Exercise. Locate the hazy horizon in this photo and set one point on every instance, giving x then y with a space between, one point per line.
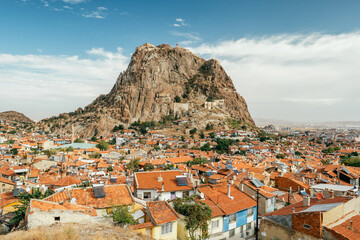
294 61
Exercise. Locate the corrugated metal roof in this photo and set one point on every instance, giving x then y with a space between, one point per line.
321 207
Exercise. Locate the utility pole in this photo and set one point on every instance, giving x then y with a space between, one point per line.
257 215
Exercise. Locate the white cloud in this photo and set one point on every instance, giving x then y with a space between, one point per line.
180 23
74 1
295 77
190 38
45 85
100 13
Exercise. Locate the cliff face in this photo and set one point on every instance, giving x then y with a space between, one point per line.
161 81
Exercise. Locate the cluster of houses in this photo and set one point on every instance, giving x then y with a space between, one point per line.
290 186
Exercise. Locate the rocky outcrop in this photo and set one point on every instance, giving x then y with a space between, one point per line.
15 117
155 84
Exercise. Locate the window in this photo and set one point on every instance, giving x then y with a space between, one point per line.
57 218
250 212
306 226
147 195
248 226
186 194
166 228
231 233
173 196
215 224
232 217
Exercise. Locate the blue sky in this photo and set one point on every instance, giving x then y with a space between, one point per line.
292 60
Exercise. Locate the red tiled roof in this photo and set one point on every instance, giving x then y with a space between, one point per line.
161 212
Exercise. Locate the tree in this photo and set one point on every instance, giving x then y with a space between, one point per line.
182 138
122 216
148 167
133 164
109 169
197 216
24 200
205 147
280 156
297 153
103 146
202 135
209 126
177 99
94 139
143 130
212 135
156 148
118 128
193 131
14 151
95 155
78 140
50 152
70 149
196 161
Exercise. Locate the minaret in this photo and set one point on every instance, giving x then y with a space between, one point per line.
63 167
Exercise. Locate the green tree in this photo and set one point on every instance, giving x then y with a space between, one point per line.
122 216
182 138
209 126
95 155
202 135
177 99
148 167
70 149
133 164
50 152
205 147
196 161
280 155
103 145
94 139
212 135
197 216
23 204
193 131
14 151
78 140
297 153
118 128
109 169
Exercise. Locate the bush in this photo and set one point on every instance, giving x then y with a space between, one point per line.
103 146
193 131
148 167
122 216
78 140
177 99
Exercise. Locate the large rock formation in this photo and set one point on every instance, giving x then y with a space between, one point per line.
15 117
158 82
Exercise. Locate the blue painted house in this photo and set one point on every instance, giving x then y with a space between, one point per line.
238 210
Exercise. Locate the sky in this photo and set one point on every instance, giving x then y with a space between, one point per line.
290 60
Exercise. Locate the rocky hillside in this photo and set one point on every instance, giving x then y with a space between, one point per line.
160 81
15 117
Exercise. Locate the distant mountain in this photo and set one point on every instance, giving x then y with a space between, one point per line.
15 117
160 81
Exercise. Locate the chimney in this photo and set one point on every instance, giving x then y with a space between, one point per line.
228 192
242 187
306 201
293 210
160 179
350 227
331 193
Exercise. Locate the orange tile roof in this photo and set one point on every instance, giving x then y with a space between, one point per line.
218 195
116 195
343 230
149 180
48 206
161 212
67 181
